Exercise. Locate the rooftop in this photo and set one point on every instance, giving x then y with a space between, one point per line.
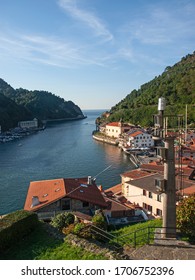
147 183
136 133
135 174
49 191
118 124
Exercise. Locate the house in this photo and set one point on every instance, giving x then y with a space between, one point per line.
119 210
28 124
114 129
140 186
133 174
49 197
140 139
144 193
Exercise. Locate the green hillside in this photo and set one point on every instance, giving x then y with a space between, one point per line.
10 112
176 84
22 104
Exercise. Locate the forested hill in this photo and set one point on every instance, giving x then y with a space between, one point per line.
22 104
176 84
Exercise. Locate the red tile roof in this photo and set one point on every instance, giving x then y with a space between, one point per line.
114 190
113 206
136 133
118 124
135 174
152 167
49 191
114 124
188 191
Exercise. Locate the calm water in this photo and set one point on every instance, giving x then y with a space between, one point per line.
60 151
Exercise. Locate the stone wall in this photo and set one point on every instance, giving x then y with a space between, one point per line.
95 247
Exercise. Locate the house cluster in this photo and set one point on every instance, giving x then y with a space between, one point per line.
127 135
136 198
24 128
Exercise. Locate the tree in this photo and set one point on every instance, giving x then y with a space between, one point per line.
186 216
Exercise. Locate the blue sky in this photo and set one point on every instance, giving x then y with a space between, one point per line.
93 52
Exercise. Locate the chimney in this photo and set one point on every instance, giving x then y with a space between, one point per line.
35 201
89 182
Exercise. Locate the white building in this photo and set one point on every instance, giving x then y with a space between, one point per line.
140 139
143 192
114 129
28 124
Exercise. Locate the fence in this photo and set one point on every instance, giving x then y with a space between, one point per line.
140 237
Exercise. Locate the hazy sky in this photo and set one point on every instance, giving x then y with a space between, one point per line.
93 52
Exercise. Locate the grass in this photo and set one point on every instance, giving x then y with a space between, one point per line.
39 245
125 235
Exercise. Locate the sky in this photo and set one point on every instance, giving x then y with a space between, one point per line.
92 52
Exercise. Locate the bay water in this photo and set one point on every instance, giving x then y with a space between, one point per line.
62 150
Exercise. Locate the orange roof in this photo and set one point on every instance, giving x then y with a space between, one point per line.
152 167
114 124
136 133
135 174
188 191
117 124
114 190
49 191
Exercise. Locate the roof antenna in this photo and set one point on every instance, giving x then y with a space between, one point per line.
95 177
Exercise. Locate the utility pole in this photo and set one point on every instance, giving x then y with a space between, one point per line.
168 190
169 196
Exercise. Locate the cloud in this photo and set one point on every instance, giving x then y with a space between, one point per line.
86 17
45 50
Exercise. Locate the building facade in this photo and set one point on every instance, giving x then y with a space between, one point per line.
28 124
143 192
115 129
140 139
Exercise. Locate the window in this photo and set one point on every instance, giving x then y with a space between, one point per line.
159 198
150 208
127 190
158 212
150 195
144 192
145 206
66 204
85 204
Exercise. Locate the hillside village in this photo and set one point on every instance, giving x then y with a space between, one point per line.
162 153
138 197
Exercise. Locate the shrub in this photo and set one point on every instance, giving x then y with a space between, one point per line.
186 216
98 220
68 229
78 227
62 220
15 226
